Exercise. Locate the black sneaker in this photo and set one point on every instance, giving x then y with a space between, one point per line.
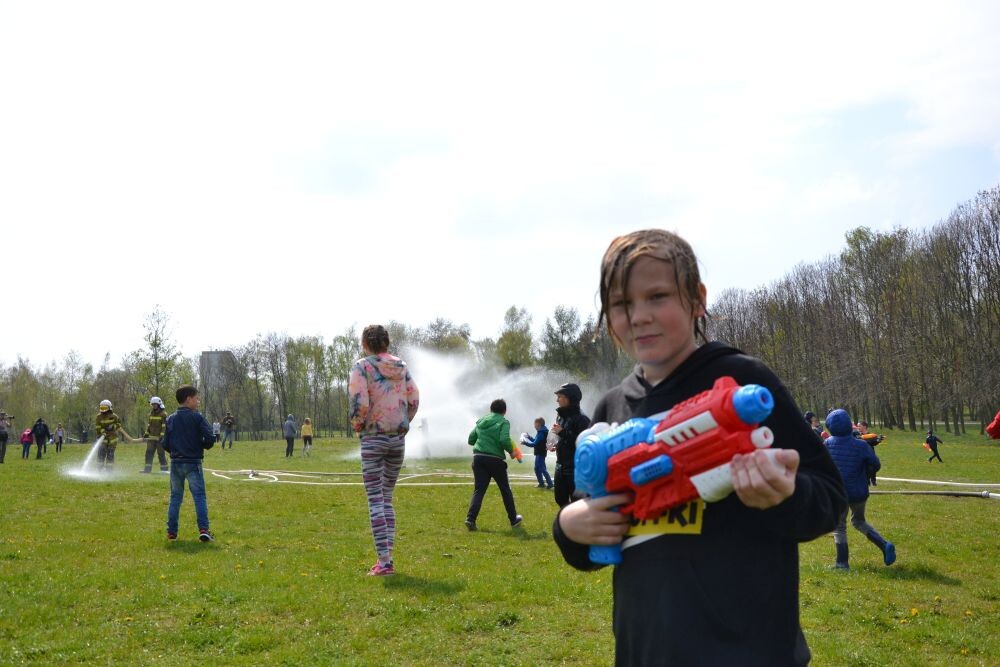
471 525
205 535
518 520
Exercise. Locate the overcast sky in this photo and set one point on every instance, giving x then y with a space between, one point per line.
301 167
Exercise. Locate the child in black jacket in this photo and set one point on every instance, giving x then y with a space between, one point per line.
715 584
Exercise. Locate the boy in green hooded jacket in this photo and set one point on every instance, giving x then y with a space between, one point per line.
490 439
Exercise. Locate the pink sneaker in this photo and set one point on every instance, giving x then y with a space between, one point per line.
380 570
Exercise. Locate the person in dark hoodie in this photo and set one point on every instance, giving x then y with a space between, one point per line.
932 442
188 435
383 401
857 463
707 587
490 439
42 434
570 423
288 431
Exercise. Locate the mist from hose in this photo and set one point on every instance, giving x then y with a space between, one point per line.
455 391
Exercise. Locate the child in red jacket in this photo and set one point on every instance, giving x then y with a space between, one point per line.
993 430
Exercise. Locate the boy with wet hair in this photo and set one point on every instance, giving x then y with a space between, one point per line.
188 435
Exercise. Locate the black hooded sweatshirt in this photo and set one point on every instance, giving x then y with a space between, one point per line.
721 585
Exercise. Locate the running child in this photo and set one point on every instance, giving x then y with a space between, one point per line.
721 588
932 442
307 436
857 463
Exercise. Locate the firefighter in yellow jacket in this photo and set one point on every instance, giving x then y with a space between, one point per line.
109 425
155 430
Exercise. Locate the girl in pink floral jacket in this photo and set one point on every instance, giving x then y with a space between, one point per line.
384 400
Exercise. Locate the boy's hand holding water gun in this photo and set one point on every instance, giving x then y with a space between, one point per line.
706 447
515 452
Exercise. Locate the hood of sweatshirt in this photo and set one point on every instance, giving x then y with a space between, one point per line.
637 390
391 368
839 422
491 424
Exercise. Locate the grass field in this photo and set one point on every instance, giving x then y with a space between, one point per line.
86 575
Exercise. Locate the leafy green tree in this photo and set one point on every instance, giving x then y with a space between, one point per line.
560 338
515 343
444 335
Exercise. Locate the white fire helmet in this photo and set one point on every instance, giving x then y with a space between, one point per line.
105 405
156 400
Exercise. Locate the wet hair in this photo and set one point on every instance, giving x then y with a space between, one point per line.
660 244
499 406
375 338
184 392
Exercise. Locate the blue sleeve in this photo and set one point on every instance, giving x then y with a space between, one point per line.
871 459
205 430
167 431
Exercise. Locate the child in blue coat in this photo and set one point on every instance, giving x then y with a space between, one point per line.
857 463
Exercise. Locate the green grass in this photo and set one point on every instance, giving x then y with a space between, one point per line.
86 575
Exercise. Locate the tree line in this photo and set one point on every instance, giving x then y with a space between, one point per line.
273 374
902 328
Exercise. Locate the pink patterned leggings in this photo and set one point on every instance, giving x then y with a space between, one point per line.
381 459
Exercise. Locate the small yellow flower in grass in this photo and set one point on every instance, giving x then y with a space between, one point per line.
128 619
914 611
304 574
937 598
964 651
163 577
968 612
260 563
904 621
239 567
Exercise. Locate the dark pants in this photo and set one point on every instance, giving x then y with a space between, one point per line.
485 468
3 445
154 446
59 444
935 454
106 454
565 485
289 446
40 443
25 449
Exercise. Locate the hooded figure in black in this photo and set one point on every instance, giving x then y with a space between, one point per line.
41 432
569 424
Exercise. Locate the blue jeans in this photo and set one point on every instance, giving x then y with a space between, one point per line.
541 472
190 471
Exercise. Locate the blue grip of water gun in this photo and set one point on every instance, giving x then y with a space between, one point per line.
753 403
610 554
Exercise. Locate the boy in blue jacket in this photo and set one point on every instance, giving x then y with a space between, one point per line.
857 463
540 447
188 435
